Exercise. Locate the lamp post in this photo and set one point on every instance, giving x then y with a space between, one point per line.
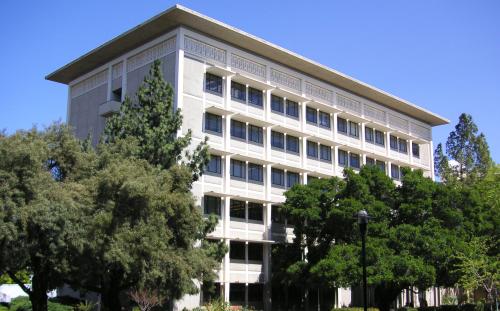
363 223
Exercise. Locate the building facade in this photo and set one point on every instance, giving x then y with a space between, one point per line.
273 119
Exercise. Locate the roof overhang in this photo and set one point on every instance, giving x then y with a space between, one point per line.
180 16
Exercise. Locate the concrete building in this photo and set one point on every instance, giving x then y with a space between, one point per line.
273 118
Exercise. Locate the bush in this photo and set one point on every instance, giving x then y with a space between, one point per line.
24 304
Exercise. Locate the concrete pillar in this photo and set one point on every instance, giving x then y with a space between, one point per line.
387 143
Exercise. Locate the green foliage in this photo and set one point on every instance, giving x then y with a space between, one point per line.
24 304
150 117
470 151
22 276
353 309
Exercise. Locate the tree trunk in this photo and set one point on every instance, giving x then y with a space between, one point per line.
111 300
38 294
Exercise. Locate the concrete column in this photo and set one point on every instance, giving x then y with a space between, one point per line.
227 92
431 160
362 135
387 143
302 116
227 173
303 151
268 183
267 104
410 151
226 260
304 178
267 143
363 159
335 158
389 165
227 132
335 126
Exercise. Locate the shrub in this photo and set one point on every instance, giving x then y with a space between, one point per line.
24 304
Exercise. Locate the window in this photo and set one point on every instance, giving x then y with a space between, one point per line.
310 178
213 83
255 134
214 165
238 91
354 160
237 293
237 209
403 146
381 165
276 215
211 205
255 251
255 97
369 134
238 168
353 129
292 179
292 108
325 152
278 177
277 104
393 142
277 140
311 115
379 138
370 161
312 149
255 212
324 119
342 125
117 95
343 160
237 250
213 123
238 129
292 144
255 172
255 293
415 150
394 171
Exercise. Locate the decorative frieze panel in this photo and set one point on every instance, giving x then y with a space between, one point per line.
151 54
89 84
348 103
286 80
319 92
117 70
374 113
248 66
204 50
398 123
420 131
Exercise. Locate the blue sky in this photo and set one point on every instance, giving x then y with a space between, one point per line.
441 55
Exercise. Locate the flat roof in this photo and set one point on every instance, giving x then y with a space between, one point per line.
182 16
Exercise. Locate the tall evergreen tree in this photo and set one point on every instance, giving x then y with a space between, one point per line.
468 150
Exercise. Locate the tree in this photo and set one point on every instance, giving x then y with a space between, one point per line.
407 234
150 117
146 300
469 151
144 225
41 203
478 269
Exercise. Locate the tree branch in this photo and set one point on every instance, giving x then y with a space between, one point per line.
19 282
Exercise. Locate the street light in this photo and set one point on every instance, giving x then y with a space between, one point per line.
363 223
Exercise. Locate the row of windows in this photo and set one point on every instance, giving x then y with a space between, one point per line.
238 169
238 209
237 251
213 291
239 91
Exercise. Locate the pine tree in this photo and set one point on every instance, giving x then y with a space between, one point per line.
468 149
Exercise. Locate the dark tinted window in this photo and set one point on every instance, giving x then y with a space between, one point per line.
255 293
311 115
292 144
381 165
212 205
276 215
379 138
325 152
394 142
255 211
214 165
369 137
394 171
237 209
255 97
238 169
403 146
255 251
312 149
213 123
278 177
277 104
213 83
343 160
324 119
292 108
370 161
354 160
255 134
342 125
415 150
277 140
238 91
237 293
238 129
292 179
237 250
255 172
353 129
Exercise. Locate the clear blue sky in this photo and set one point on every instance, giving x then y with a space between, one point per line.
441 55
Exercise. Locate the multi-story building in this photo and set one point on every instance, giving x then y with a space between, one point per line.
273 118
